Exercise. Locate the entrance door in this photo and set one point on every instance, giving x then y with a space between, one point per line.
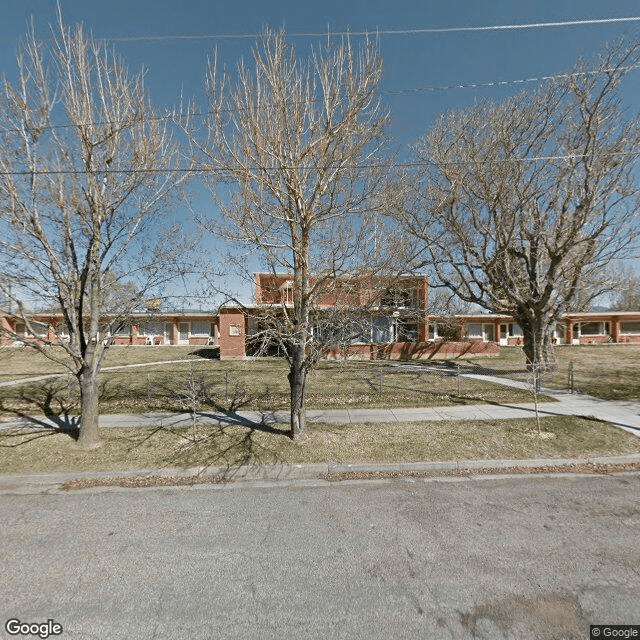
576 333
184 333
504 335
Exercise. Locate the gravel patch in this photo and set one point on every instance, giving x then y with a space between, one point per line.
141 482
601 469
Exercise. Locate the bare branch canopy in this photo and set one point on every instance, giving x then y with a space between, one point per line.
296 141
520 203
86 171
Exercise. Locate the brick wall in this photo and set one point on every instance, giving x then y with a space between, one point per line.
232 334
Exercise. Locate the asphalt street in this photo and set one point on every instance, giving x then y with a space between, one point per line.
538 557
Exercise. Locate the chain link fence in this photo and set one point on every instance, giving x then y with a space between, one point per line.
610 379
259 384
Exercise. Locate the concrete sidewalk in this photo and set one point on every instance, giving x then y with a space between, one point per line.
624 415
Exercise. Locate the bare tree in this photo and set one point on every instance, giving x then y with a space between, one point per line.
296 140
521 203
626 294
86 167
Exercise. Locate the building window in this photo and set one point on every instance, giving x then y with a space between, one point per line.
448 331
234 329
474 331
593 328
39 330
151 329
201 328
630 328
407 331
480 331
359 332
122 330
561 331
398 299
510 330
382 330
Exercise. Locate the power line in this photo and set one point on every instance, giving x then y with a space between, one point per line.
382 32
425 89
381 165
504 83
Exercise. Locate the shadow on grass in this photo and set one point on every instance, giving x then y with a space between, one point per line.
227 443
434 397
209 353
217 437
48 399
221 391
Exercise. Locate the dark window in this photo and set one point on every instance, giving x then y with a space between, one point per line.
397 298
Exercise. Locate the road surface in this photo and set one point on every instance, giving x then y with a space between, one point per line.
538 557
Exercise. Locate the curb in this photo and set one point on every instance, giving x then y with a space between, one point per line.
293 472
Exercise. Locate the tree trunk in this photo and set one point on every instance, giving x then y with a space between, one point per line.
297 383
538 345
88 437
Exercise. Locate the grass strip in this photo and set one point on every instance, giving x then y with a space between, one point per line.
145 482
232 445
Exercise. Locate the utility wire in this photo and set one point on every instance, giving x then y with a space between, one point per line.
504 83
381 32
381 165
469 85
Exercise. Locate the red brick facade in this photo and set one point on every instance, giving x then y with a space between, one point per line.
233 333
195 329
401 303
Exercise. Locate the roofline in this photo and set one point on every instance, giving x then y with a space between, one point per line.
346 274
567 316
133 314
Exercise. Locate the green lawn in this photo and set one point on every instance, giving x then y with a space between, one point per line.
150 448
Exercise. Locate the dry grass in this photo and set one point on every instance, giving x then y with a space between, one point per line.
17 362
607 371
152 448
258 384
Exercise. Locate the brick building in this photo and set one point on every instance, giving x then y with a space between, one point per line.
393 322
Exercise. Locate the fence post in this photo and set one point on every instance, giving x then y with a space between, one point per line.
571 377
458 378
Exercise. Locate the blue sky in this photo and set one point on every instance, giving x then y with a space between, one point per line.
412 61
